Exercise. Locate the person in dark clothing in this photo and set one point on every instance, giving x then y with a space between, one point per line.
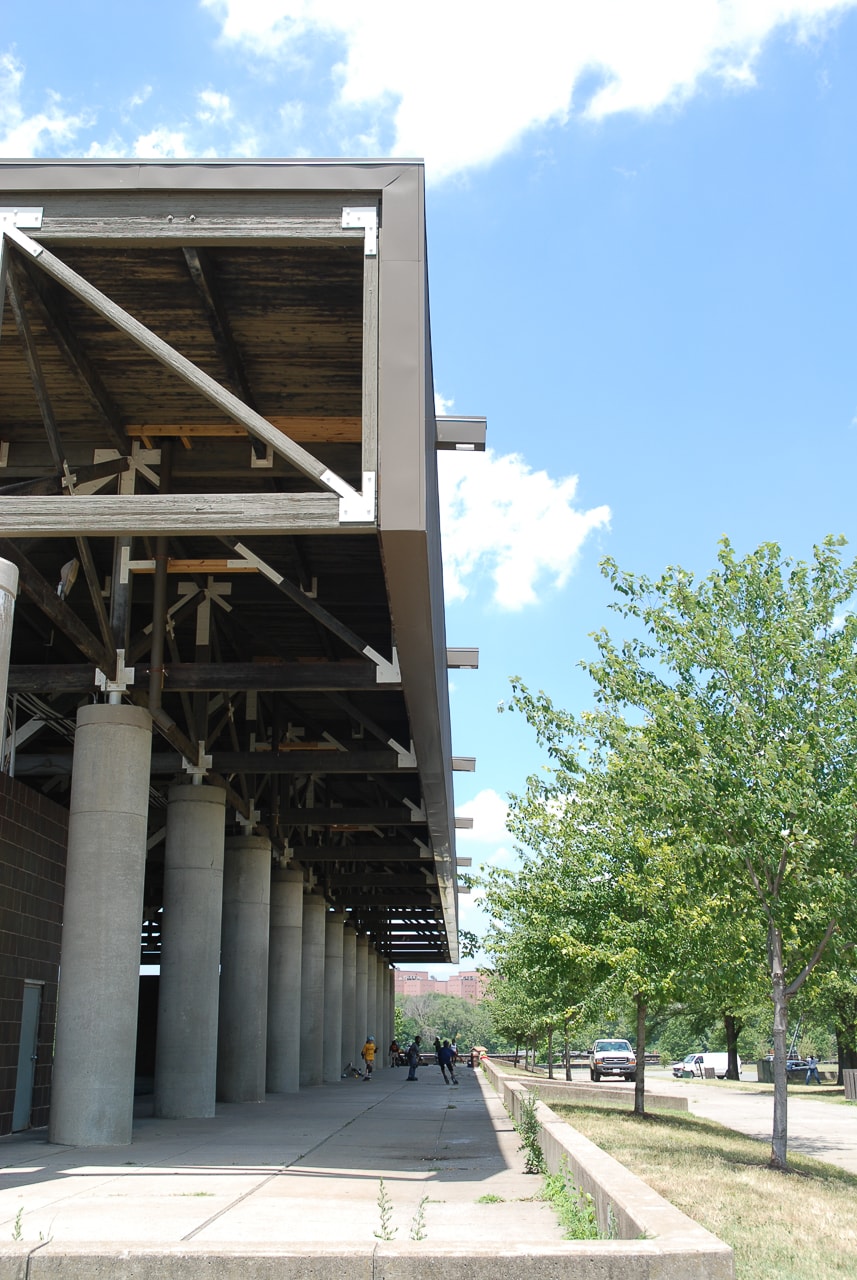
413 1056
446 1058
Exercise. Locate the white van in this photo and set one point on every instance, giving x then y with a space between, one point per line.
697 1062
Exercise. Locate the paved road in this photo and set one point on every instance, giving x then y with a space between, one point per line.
826 1130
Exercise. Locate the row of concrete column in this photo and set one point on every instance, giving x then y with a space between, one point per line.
263 987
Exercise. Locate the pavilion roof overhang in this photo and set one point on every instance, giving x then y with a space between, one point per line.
216 410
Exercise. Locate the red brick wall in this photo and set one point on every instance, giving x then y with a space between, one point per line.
33 839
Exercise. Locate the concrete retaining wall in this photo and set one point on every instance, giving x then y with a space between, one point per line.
624 1204
564 1090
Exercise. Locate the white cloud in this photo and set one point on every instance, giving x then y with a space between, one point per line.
504 77
520 526
137 99
214 107
28 135
161 143
488 811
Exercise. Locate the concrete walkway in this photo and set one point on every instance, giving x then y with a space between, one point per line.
825 1130
299 1168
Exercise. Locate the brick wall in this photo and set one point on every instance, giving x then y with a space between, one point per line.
33 839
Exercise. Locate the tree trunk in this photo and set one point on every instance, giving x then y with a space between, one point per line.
565 1051
779 1137
733 1027
846 1057
550 1053
640 1085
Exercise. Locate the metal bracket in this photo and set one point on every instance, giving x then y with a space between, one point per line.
354 507
250 821
4 453
197 771
18 216
386 672
418 811
124 676
407 758
266 462
353 216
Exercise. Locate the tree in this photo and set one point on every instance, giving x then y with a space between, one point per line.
746 686
601 893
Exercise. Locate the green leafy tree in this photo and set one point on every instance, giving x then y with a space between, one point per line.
746 686
602 894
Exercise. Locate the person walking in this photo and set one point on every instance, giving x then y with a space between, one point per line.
394 1052
367 1053
812 1070
413 1056
446 1058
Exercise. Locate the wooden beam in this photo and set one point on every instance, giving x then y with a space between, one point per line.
375 880
203 275
293 593
320 762
178 364
318 677
57 482
147 515
348 816
308 430
358 853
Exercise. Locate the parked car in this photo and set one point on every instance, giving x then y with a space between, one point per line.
612 1058
697 1062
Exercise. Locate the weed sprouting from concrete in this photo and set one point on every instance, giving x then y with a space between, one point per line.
17 1230
418 1226
488 1198
573 1206
385 1209
530 1131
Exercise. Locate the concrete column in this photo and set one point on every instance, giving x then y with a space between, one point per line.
381 1009
334 927
372 993
186 1059
96 1034
312 990
388 1005
242 1033
347 1049
361 1028
284 981
8 592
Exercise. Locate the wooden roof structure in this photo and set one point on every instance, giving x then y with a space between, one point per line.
218 482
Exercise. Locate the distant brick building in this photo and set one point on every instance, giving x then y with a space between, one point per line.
418 982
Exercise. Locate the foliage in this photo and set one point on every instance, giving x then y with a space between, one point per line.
436 1014
385 1209
573 1207
530 1132
418 1223
700 824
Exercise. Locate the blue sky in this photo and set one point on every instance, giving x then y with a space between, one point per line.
642 270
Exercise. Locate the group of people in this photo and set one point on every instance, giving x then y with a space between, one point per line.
446 1056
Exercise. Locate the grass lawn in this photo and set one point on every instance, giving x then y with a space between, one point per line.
796 1226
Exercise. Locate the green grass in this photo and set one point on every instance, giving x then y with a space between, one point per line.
490 1199
795 1226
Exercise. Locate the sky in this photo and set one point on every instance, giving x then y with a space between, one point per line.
642 270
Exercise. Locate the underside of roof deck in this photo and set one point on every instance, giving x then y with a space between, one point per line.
302 656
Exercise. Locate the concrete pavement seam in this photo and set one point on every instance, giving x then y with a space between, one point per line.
277 1173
